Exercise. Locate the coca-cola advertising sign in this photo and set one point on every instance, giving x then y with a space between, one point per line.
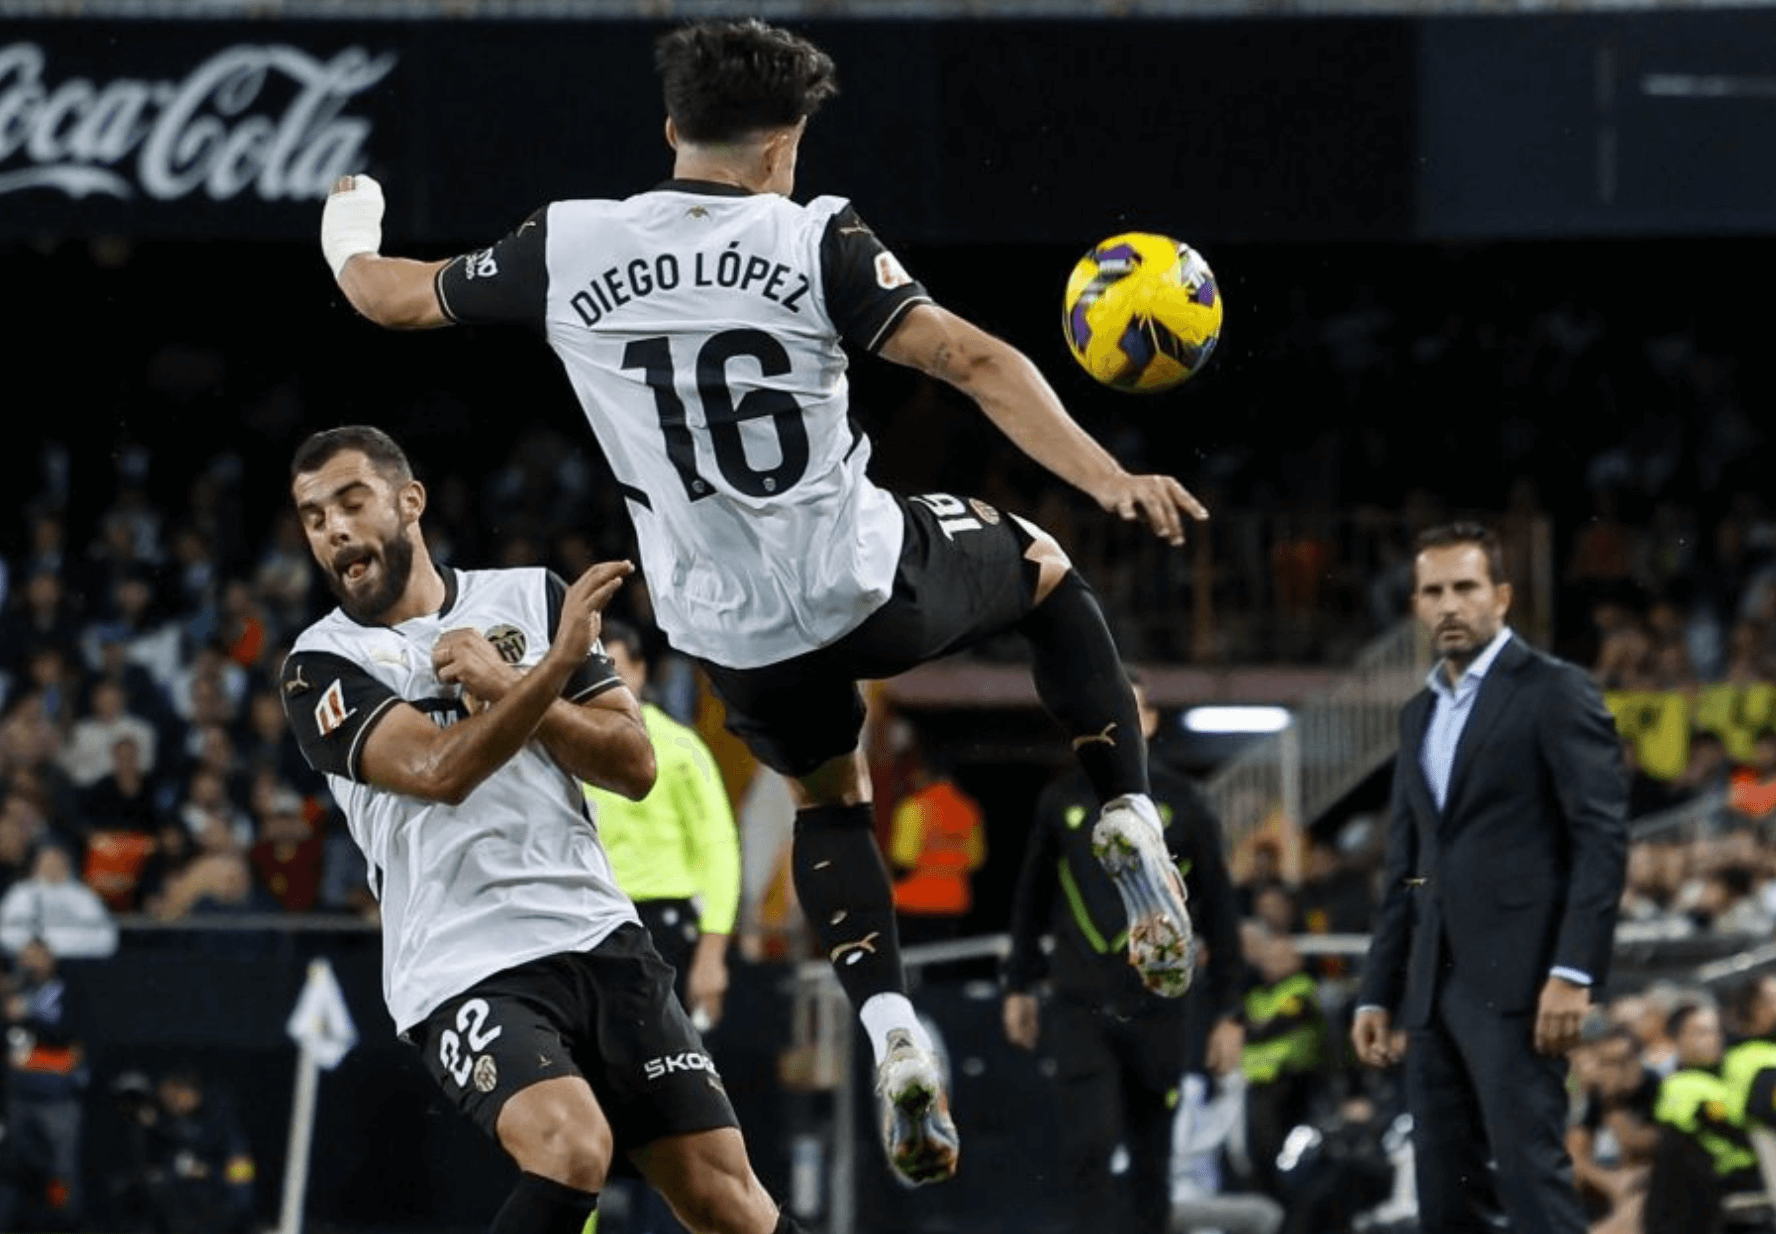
258 120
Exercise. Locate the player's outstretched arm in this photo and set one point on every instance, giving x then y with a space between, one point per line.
394 292
1018 399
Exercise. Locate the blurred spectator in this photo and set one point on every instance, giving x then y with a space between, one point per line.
1647 794
938 839
210 690
1701 1156
45 1080
1284 1051
1655 870
42 615
194 581
123 798
284 574
1625 658
1611 1141
1274 908
1706 769
1751 789
1334 895
174 849
133 623
1346 1170
88 754
19 827
244 633
1647 1015
207 804
1729 904
1264 868
266 745
195 1169
345 875
51 905
1750 1009
119 810
287 856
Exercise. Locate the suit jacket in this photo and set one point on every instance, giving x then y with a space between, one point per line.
1522 869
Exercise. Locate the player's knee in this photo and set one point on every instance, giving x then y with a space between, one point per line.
552 1138
1052 563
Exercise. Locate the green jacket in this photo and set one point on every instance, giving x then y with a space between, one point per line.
679 842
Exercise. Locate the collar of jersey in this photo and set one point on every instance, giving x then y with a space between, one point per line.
444 572
709 188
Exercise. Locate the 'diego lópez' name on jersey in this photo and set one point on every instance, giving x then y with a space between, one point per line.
728 268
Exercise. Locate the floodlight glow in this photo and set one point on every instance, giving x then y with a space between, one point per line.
1236 719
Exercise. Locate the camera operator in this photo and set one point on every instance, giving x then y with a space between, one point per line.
194 1169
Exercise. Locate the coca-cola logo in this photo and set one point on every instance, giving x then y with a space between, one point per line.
267 118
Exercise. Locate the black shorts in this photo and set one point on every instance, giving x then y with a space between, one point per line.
962 577
608 1015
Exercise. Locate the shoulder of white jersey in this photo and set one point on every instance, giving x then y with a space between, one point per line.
823 208
335 632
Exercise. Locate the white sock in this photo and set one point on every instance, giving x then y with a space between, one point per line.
882 1014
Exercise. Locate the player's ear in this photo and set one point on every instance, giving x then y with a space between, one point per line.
413 500
671 133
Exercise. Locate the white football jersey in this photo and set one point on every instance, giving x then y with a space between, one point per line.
512 874
701 328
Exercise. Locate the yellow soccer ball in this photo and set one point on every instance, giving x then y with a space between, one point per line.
1143 312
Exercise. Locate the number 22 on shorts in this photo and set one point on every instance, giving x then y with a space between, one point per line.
471 1023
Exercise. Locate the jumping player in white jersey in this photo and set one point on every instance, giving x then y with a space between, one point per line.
701 324
455 713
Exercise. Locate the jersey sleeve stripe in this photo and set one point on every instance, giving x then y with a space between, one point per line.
595 689
900 310
357 746
438 287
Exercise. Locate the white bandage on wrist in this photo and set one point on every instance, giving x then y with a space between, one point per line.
351 222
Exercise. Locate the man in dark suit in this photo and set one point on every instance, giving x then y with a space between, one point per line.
1507 845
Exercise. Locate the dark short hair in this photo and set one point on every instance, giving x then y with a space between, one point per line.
384 454
1680 1015
725 79
1742 999
614 633
1482 537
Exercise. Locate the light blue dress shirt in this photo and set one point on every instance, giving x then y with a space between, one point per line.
1449 716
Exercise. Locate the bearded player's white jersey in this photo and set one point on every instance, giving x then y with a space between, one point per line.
701 328
513 873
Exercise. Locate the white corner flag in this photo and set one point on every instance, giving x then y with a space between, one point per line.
322 1023
322 1028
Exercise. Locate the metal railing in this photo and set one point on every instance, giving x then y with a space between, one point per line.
1278 588
1332 743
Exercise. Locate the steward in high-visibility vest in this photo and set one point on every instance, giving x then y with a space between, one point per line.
1748 1072
1694 1101
940 840
1285 1029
